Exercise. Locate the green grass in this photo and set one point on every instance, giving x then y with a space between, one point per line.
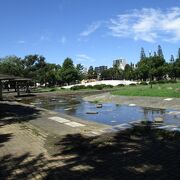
48 89
158 90
58 89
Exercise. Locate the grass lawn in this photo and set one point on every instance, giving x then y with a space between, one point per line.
158 90
48 89
58 89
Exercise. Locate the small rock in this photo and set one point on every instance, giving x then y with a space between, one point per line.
99 106
113 121
168 99
132 104
92 112
158 120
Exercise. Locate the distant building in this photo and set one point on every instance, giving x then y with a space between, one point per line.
120 63
85 70
100 69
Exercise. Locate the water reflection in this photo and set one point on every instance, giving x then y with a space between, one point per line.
112 114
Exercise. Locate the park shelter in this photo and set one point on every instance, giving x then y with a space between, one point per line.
16 79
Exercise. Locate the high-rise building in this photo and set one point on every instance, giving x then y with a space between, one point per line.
100 69
120 63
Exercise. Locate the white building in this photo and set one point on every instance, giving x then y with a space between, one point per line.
120 63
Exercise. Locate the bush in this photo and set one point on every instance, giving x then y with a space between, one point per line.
89 87
143 83
108 86
162 81
98 87
132 84
120 85
172 81
53 89
153 82
102 85
78 87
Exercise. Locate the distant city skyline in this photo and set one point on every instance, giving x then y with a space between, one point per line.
90 32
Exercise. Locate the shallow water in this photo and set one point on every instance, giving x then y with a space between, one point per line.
111 114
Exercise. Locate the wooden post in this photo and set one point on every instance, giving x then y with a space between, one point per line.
27 87
1 98
17 88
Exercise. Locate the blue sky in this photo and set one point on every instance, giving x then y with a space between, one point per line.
91 32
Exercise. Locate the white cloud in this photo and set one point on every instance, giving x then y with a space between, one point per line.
44 38
63 39
21 42
91 28
147 24
84 58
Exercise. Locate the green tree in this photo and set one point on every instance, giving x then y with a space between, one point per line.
107 74
69 72
91 73
11 65
158 67
142 54
129 72
178 56
80 72
143 69
160 52
177 68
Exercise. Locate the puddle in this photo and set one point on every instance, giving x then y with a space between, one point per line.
111 114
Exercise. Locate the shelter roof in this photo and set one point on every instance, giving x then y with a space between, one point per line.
15 78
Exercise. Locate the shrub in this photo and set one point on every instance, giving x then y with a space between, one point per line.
120 85
98 87
53 89
132 84
162 81
172 81
78 87
89 87
102 85
143 83
153 82
108 86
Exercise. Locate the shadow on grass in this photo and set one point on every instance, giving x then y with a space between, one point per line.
13 113
140 153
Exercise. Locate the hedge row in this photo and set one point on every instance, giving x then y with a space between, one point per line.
158 82
97 87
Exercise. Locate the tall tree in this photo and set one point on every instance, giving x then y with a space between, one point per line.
12 65
80 69
142 55
91 73
160 52
172 59
143 69
69 72
178 57
177 65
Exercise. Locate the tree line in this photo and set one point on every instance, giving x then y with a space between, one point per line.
36 68
149 67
